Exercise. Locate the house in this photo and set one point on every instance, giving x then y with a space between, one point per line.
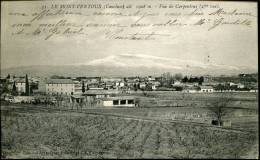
98 93
206 89
60 87
240 85
253 90
109 85
121 101
154 84
132 84
94 85
150 78
77 87
92 97
177 83
142 85
192 89
232 84
178 86
20 85
120 84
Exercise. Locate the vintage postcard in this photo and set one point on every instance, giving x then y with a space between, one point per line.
129 79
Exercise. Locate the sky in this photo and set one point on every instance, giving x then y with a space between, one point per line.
226 45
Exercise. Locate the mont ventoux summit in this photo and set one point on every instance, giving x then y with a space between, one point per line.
129 65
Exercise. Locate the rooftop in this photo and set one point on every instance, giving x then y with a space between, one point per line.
20 80
119 98
206 87
100 92
60 81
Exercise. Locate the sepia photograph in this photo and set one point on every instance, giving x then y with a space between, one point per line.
129 79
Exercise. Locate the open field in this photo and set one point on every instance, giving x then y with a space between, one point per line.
60 134
157 98
30 131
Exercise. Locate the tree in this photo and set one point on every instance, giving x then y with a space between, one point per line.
220 87
193 79
14 91
170 82
137 102
83 87
201 80
219 107
143 90
27 87
185 79
5 88
135 87
178 88
148 87
178 76
59 99
167 79
8 76
125 79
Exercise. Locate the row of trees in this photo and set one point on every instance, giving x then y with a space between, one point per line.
167 79
199 80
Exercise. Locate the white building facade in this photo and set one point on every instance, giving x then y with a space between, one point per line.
60 87
20 86
119 102
206 89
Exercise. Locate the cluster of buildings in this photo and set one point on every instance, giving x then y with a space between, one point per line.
18 84
80 85
102 90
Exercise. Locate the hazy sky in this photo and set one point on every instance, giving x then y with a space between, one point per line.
226 45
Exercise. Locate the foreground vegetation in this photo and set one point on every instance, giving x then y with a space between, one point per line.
62 134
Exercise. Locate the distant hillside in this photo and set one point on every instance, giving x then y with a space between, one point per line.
102 70
131 65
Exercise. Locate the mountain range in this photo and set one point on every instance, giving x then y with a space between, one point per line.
129 65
